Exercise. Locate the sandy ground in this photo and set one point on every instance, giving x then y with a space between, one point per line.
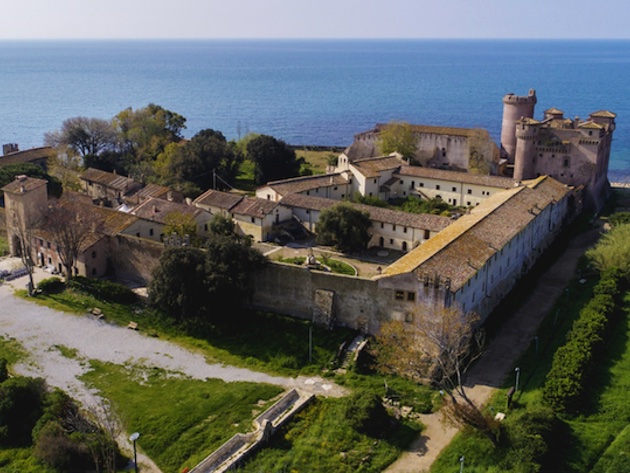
41 330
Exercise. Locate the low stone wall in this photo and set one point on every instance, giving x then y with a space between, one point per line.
134 258
241 446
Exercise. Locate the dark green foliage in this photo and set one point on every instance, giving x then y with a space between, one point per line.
531 435
54 447
178 283
10 171
190 283
619 218
573 362
273 159
368 200
104 290
365 413
4 371
416 205
52 285
21 405
344 227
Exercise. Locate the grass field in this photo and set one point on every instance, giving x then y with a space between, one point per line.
181 420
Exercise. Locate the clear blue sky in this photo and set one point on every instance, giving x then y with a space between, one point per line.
60 19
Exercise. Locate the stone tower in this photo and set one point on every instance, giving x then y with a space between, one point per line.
515 107
526 134
25 201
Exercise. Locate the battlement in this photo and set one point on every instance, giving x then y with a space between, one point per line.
511 98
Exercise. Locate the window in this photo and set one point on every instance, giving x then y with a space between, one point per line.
411 296
150 232
401 182
437 187
382 225
308 192
138 234
454 189
375 180
394 227
48 244
335 188
421 184
391 241
470 191
93 254
427 234
400 295
404 229
205 227
565 162
253 219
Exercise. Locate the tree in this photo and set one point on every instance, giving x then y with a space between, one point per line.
9 172
612 251
273 159
484 155
344 226
22 234
178 284
182 225
71 225
191 283
398 137
86 136
438 345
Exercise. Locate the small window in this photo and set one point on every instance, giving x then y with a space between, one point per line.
253 219
93 254
470 191
401 182
427 234
421 184
335 188
382 225
411 296
375 180
308 192
400 295
454 189
437 187
404 229
150 232
138 234
48 244
391 241
205 227
394 227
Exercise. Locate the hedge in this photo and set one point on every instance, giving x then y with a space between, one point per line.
573 361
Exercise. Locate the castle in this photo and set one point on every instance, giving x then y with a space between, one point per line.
552 168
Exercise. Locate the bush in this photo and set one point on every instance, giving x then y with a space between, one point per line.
55 448
52 285
366 414
104 290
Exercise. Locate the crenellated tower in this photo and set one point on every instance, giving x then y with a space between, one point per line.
526 135
515 107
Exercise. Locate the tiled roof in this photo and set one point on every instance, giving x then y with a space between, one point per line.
157 209
458 252
222 200
254 207
372 167
108 179
23 184
554 111
456 176
603 114
591 125
306 183
29 155
434 223
152 190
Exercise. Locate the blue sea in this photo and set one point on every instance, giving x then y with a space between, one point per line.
311 92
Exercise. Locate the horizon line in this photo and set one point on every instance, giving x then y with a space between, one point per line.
353 38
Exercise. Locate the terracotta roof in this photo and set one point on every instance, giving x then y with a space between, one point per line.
152 190
456 176
108 179
23 184
157 209
306 183
603 114
459 251
591 125
29 155
372 167
222 200
254 207
554 111
434 223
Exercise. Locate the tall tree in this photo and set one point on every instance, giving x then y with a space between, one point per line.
345 227
86 136
273 159
398 137
22 233
439 345
71 225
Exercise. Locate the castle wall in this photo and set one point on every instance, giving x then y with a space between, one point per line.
514 108
134 258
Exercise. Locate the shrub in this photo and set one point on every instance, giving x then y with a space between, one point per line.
104 290
55 448
366 414
52 285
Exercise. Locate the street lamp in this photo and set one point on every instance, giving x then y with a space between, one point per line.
518 373
132 438
461 464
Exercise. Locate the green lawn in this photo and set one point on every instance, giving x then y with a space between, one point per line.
181 421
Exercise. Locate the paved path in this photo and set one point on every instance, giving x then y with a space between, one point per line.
496 363
41 330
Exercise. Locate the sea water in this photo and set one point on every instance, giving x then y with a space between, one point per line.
311 92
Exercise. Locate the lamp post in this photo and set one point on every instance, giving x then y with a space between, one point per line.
518 373
133 439
461 464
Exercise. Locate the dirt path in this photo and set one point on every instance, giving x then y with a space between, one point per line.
496 363
45 334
